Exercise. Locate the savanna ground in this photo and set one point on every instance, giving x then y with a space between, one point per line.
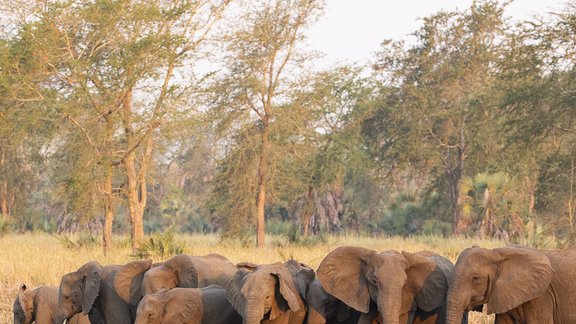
41 259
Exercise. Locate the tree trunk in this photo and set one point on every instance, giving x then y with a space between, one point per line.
261 195
136 191
308 210
108 211
455 175
4 205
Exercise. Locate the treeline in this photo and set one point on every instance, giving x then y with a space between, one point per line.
209 116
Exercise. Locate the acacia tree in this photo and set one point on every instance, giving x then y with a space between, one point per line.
338 101
25 129
540 80
442 88
263 52
115 63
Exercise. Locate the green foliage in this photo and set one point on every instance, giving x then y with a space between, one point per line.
435 227
470 126
287 233
493 202
407 215
83 240
278 227
160 246
4 225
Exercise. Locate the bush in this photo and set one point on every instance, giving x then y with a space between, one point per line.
83 240
436 227
160 245
278 227
4 225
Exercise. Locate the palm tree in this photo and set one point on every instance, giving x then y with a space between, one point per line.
491 203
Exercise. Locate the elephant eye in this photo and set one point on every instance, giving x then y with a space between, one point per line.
475 279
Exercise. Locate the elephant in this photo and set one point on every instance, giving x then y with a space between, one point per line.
137 279
405 287
40 305
206 305
270 293
325 308
90 291
518 284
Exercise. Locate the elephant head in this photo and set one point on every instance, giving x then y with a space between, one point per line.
187 271
128 280
152 308
78 290
187 305
396 281
24 305
325 308
269 291
503 278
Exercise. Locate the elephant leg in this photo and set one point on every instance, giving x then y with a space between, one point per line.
539 310
432 319
504 319
368 318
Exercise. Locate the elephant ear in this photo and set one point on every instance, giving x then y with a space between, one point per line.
427 279
21 299
247 265
185 269
128 280
90 273
342 276
21 294
285 298
303 279
303 276
524 274
234 293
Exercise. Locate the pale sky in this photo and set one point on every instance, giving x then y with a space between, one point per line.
352 30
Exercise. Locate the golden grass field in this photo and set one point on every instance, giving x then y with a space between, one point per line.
41 259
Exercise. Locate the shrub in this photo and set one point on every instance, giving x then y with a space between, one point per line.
83 240
160 245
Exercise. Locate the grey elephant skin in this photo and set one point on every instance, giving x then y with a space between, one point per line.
90 291
325 308
405 287
39 305
518 284
206 305
139 278
270 293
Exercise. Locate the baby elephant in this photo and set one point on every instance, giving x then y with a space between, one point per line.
40 305
187 306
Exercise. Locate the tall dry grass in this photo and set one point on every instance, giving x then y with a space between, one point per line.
40 259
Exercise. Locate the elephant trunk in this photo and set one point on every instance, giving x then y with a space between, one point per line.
59 319
254 311
458 299
454 315
389 307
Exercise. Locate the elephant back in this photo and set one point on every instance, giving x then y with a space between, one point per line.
201 271
443 263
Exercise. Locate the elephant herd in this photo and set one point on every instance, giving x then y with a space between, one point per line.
351 285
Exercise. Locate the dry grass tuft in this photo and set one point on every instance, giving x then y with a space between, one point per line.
40 259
